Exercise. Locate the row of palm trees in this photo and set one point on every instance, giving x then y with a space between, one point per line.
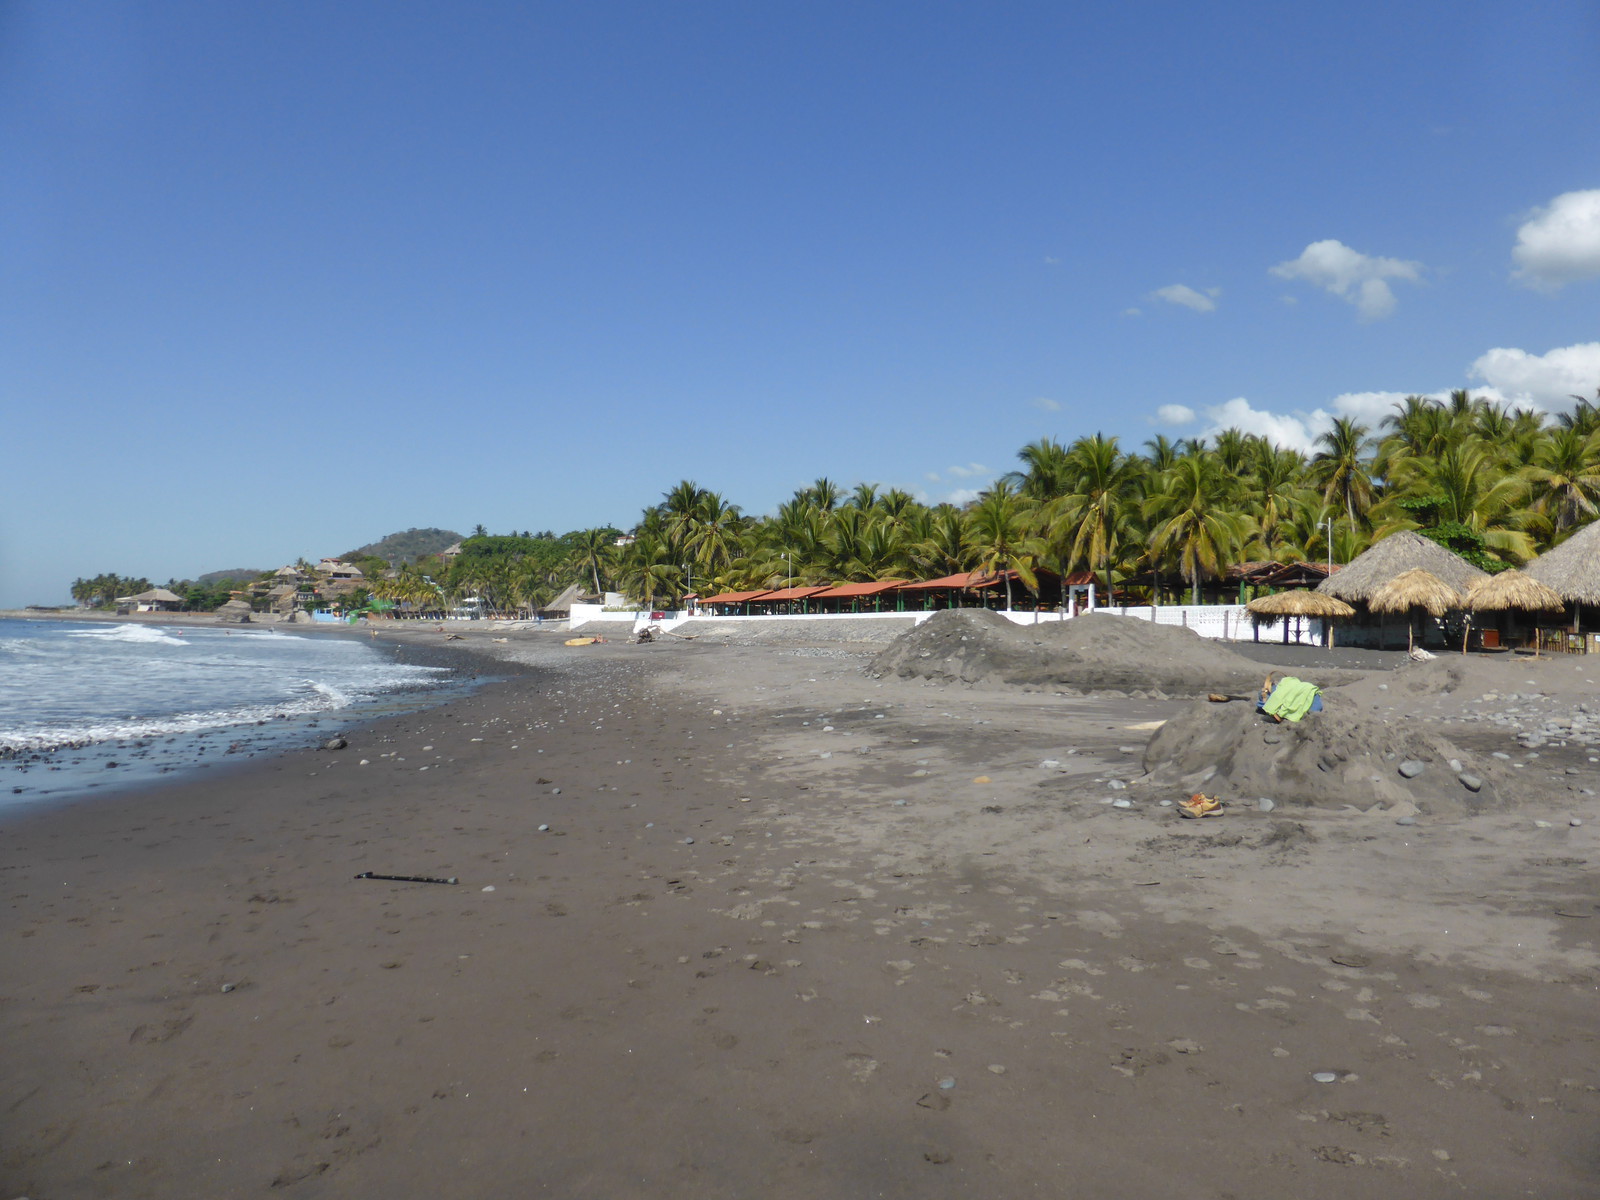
1497 484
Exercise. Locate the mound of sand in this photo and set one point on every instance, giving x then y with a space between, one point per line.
1095 652
1346 754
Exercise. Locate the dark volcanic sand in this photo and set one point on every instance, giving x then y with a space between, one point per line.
1127 1005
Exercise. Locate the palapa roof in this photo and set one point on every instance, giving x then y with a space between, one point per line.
1299 603
1393 556
1416 588
569 596
1513 590
1572 569
158 595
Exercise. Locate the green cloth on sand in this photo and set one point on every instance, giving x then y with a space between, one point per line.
1291 699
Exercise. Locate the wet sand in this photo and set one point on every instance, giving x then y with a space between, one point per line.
791 931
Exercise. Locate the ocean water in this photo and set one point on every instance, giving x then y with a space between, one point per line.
154 699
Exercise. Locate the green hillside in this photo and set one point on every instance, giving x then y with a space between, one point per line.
407 546
240 574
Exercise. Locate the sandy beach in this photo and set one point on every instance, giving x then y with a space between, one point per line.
748 919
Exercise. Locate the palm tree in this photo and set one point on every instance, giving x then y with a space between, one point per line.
824 494
942 545
1564 478
1161 453
1047 470
865 496
1191 522
1085 523
1233 449
999 526
1271 490
1339 471
592 551
714 537
1584 417
1461 486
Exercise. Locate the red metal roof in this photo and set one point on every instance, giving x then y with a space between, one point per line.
850 590
961 579
733 597
794 593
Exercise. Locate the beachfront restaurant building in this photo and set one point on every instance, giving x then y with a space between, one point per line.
965 589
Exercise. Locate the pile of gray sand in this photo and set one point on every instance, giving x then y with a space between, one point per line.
1347 754
1096 652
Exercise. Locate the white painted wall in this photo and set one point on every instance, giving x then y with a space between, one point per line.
1223 621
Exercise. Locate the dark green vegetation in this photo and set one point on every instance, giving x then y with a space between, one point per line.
102 591
244 573
1496 485
407 546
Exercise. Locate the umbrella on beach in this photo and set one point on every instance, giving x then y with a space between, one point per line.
1415 589
1512 591
1299 603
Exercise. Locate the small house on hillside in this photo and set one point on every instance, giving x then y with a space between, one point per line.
334 569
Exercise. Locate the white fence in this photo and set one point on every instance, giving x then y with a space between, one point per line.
1226 622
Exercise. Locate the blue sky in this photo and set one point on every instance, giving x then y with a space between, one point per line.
279 278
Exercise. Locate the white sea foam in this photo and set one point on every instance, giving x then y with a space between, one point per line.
64 685
148 634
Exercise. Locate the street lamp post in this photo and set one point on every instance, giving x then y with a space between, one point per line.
1328 525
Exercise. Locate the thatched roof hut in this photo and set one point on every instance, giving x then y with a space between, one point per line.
1513 590
561 606
1394 555
1416 588
1299 603
1572 569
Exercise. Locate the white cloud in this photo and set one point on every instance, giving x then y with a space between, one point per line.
968 471
1362 279
1174 414
1045 404
963 496
1178 293
1294 432
1560 242
1544 381
1133 312
1370 408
